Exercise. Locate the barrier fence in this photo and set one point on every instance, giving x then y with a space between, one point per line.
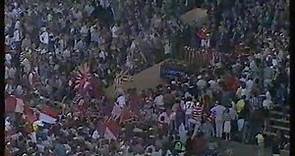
205 57
201 57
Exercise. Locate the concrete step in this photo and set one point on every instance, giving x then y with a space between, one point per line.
280 127
279 113
279 120
273 134
285 153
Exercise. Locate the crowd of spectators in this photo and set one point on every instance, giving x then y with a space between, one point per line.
45 43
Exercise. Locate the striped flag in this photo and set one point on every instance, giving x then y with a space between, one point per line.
14 104
82 80
48 115
112 130
127 116
30 115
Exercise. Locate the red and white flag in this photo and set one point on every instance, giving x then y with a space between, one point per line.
48 115
127 115
14 104
30 115
82 81
112 130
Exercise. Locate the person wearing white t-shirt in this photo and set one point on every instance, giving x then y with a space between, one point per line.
115 31
95 135
121 101
260 141
159 100
44 37
218 110
249 87
164 118
241 91
188 113
8 58
267 104
16 36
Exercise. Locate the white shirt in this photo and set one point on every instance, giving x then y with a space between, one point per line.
189 107
218 111
166 118
27 65
167 47
212 83
268 96
233 114
16 36
274 62
44 37
121 101
84 30
8 58
6 73
7 40
240 92
7 125
201 84
95 135
66 53
260 138
266 103
114 31
9 88
249 84
11 72
102 55
243 79
159 100
33 137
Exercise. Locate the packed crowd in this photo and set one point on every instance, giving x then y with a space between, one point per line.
46 43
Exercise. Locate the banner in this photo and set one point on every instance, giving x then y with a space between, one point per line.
168 72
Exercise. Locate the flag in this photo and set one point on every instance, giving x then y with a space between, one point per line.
30 115
127 115
83 77
112 130
48 115
14 104
10 104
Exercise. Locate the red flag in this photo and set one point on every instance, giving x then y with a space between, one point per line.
127 115
10 104
14 104
112 130
83 77
50 111
30 115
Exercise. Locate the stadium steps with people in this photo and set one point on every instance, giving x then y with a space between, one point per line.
279 121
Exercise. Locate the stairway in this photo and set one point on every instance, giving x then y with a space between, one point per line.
279 121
